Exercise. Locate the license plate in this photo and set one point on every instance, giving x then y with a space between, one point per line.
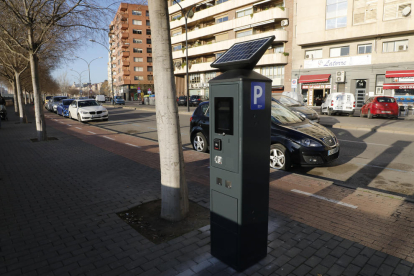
96 116
332 151
386 111
348 107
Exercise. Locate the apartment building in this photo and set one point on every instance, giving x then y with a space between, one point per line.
131 51
357 46
216 26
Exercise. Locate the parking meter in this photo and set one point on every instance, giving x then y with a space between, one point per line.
240 105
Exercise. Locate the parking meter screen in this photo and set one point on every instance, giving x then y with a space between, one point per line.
224 115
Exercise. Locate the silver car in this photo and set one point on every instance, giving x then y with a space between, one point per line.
53 103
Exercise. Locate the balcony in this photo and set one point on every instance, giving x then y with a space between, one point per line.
271 14
125 35
126 73
123 7
124 26
273 59
281 35
125 63
125 45
125 54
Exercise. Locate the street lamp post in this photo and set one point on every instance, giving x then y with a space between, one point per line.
112 75
80 77
89 69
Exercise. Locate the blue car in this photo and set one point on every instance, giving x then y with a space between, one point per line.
63 107
119 100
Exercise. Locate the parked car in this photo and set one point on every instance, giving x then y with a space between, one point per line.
339 103
294 140
119 100
380 106
52 103
297 96
87 110
3 112
100 98
63 107
297 107
195 100
182 100
47 98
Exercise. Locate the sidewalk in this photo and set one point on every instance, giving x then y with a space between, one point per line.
59 201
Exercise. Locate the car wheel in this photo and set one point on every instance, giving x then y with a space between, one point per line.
329 111
351 114
369 116
279 157
200 142
321 111
69 116
79 118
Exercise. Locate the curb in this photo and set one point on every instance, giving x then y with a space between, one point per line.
146 109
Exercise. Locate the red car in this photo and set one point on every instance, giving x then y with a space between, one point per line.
380 106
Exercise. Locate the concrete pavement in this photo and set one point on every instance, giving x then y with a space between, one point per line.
59 201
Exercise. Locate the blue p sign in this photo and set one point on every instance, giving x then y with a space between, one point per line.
258 96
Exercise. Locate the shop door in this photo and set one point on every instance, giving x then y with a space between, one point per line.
360 97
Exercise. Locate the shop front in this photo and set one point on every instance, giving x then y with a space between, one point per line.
315 88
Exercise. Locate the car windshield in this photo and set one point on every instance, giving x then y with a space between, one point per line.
194 97
118 97
288 101
67 102
385 100
282 115
87 103
182 98
57 99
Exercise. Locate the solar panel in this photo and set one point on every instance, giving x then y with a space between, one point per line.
243 55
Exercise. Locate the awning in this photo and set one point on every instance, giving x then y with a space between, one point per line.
398 85
262 2
254 25
399 74
314 78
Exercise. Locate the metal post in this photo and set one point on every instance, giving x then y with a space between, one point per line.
186 62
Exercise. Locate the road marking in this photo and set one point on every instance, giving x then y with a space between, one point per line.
91 132
151 128
69 125
385 168
132 145
363 143
78 127
108 138
325 198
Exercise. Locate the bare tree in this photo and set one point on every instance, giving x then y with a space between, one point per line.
63 82
174 191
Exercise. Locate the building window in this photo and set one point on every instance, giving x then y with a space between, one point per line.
221 1
244 12
136 22
379 84
148 32
138 77
336 11
149 59
120 78
176 16
149 68
365 49
119 70
138 69
176 1
365 11
136 50
177 47
136 13
244 33
136 40
395 46
221 37
148 23
274 72
222 19
149 50
339 51
138 59
150 77
209 76
219 55
146 13
119 61
136 31
393 9
177 32
313 54
194 78
149 41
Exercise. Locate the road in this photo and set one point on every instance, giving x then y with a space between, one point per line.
379 161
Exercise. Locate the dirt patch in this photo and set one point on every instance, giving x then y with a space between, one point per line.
146 220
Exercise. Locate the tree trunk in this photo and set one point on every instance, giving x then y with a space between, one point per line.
174 192
16 100
39 115
22 116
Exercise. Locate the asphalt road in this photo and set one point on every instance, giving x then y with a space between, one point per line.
373 160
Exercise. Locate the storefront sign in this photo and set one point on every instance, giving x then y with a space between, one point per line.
405 79
310 96
337 62
317 86
305 86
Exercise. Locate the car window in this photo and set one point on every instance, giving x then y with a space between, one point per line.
87 103
67 102
288 101
385 100
204 110
73 104
282 115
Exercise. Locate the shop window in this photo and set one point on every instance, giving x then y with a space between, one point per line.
136 31
244 33
222 19
395 46
336 11
393 9
365 49
136 13
365 11
379 84
339 51
313 54
244 12
136 22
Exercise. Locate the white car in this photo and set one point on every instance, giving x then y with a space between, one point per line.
339 103
87 110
